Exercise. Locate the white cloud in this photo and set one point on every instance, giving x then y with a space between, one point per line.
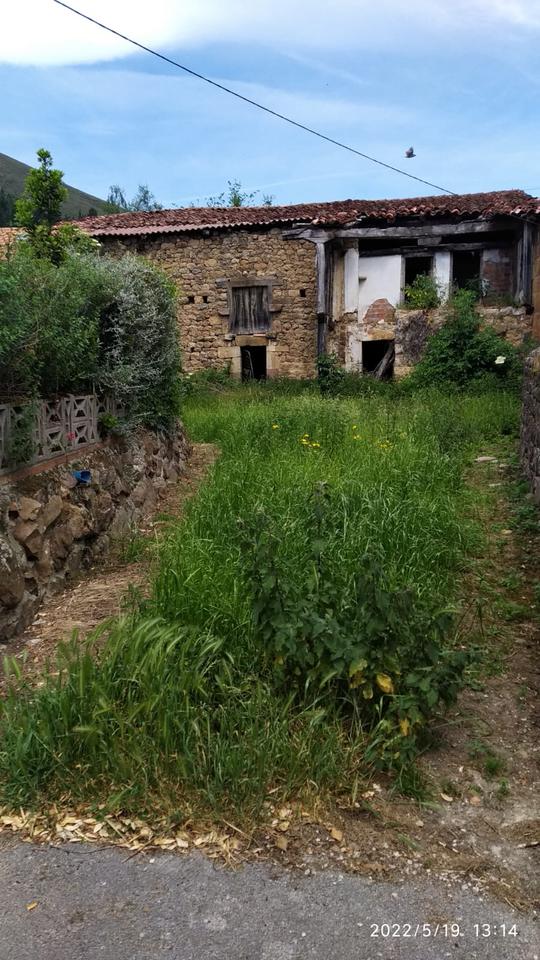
41 32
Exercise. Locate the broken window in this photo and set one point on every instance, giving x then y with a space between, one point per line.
417 267
466 270
253 362
250 309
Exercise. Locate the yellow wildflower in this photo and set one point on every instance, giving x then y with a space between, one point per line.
275 426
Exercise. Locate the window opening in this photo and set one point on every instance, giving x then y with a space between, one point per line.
250 311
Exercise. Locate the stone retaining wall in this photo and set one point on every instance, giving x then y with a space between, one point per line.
530 422
50 529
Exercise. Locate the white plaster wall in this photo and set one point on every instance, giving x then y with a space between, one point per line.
379 277
375 278
442 272
351 280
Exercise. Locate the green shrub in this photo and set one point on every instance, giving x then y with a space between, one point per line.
330 373
88 323
382 647
463 350
49 324
139 359
423 293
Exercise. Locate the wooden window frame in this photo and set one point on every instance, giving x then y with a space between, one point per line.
230 286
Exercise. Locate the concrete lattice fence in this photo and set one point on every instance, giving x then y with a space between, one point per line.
530 422
31 432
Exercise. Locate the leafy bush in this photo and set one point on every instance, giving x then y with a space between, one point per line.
89 323
463 350
380 645
329 373
49 324
139 359
423 293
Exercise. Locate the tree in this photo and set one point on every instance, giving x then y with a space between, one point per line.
39 210
235 196
44 193
144 200
116 199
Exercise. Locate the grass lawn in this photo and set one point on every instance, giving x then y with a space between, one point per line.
301 629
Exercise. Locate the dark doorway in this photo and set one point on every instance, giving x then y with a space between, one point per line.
466 269
417 267
253 363
378 358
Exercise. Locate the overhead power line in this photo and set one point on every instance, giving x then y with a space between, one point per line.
254 103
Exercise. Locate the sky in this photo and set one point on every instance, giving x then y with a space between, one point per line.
459 80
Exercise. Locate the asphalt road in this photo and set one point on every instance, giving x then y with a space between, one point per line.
95 904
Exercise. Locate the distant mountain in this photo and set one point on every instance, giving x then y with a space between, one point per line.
13 173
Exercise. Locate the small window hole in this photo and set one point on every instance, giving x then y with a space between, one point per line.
205 298
303 292
191 298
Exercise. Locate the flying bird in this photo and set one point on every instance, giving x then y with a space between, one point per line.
410 153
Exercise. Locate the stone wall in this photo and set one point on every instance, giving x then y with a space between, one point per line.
536 288
530 422
497 271
201 265
50 529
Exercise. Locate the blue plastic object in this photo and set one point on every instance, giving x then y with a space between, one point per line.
82 476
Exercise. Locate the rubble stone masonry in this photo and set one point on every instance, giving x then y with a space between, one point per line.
50 530
200 266
530 422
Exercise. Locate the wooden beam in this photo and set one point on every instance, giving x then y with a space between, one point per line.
422 230
314 234
321 277
430 251
419 230
524 266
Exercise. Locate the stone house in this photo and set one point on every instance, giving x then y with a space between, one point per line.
264 290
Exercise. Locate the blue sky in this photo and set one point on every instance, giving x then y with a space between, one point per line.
458 80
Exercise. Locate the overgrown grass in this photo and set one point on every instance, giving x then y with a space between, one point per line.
184 706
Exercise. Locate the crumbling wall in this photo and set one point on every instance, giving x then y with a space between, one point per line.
414 327
50 529
536 288
497 271
530 422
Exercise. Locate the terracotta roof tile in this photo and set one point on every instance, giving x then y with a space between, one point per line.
338 212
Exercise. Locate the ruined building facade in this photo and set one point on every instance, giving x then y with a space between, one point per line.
264 290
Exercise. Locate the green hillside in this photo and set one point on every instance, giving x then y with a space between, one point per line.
13 173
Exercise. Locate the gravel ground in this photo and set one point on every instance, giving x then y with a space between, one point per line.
74 902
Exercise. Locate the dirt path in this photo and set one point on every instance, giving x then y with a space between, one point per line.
102 592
